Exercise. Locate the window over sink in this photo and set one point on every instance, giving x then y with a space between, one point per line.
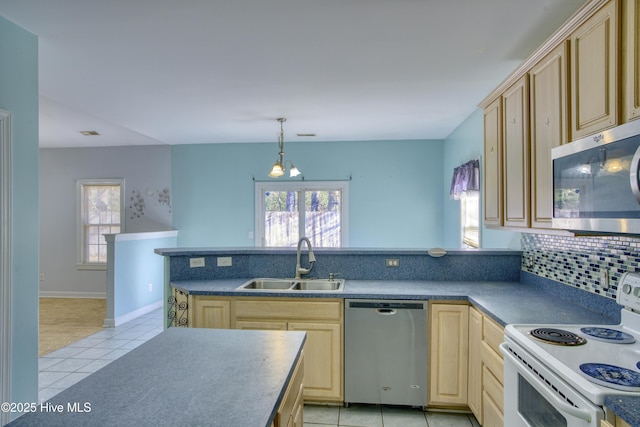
286 211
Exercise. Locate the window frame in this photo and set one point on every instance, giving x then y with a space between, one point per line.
81 263
463 215
300 187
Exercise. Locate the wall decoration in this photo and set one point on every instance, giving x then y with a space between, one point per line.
138 204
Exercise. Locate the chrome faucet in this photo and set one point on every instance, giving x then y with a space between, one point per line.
299 270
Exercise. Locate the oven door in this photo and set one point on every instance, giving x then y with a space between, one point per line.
536 397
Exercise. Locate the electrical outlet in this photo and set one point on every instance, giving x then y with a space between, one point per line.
196 262
392 262
150 287
224 261
42 277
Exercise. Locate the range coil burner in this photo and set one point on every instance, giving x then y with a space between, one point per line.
557 336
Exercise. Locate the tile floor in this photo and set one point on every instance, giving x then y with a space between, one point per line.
382 416
64 367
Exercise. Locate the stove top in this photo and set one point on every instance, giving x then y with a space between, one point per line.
599 360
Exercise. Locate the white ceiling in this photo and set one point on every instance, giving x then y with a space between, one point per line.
206 71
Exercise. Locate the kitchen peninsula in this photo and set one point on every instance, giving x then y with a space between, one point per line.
186 377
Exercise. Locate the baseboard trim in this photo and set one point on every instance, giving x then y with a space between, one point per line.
57 294
112 323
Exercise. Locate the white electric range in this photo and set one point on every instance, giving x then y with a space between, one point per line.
559 375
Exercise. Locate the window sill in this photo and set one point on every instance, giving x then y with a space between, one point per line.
98 267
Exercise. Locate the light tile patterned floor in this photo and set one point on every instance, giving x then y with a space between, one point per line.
382 416
64 367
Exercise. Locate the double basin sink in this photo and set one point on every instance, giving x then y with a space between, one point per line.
293 285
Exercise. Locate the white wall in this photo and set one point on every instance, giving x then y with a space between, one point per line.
145 169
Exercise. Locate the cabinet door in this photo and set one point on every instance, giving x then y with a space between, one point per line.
323 360
210 312
493 163
548 95
594 73
449 335
474 378
515 102
631 52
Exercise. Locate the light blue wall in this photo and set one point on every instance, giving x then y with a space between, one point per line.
19 95
463 144
395 189
136 266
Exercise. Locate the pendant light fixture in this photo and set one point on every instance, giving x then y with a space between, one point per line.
279 166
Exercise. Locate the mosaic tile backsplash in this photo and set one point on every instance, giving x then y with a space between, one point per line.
581 261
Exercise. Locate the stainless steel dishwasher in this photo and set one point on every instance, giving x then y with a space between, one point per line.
385 352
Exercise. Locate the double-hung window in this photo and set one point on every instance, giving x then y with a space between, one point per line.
287 211
100 211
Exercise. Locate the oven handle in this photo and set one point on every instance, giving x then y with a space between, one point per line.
533 380
633 175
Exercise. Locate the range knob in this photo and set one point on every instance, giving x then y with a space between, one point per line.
626 288
636 292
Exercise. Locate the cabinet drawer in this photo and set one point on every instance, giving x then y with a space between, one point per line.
492 334
493 417
493 362
292 308
493 388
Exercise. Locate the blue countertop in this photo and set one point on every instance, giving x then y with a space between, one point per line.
505 302
627 408
184 376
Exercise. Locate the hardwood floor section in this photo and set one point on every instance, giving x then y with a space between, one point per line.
67 320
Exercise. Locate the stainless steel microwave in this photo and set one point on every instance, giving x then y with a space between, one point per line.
595 182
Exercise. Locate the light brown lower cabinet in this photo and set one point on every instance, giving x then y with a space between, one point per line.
619 422
321 319
209 312
486 377
448 352
290 412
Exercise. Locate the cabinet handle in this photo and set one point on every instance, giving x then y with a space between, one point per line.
546 121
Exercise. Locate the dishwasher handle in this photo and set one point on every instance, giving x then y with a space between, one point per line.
386 311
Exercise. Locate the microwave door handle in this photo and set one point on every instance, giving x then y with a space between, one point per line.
534 381
634 175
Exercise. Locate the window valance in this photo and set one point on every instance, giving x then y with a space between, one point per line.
465 178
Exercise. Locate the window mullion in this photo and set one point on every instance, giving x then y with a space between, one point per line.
301 213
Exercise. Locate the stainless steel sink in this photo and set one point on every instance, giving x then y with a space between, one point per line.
293 285
319 285
268 284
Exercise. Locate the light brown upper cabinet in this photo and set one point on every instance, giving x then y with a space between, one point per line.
549 118
515 105
594 73
631 54
493 163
